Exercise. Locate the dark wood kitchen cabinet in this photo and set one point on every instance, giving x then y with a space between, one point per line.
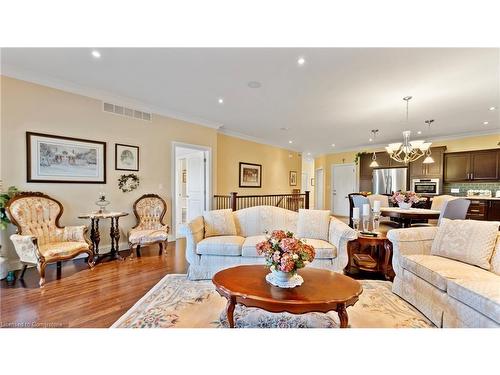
434 170
494 210
484 209
472 166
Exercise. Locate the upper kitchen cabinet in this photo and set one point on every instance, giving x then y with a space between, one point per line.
471 166
434 170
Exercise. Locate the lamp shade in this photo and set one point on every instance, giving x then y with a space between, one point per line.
374 164
428 160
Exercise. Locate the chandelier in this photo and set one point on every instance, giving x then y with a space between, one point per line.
408 151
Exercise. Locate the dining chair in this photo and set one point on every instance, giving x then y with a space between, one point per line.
438 203
356 200
455 209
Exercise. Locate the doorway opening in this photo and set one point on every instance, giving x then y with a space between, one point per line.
192 176
343 183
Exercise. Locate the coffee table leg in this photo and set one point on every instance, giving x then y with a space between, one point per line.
341 310
231 303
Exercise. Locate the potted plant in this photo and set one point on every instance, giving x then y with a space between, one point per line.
285 254
4 197
405 199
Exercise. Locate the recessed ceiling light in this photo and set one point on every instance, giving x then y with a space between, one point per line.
96 54
284 128
308 154
419 132
370 140
290 142
301 61
333 144
221 100
492 108
254 84
485 123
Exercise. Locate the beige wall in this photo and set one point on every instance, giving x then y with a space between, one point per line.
31 107
276 165
452 145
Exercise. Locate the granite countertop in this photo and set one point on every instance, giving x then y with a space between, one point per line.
482 198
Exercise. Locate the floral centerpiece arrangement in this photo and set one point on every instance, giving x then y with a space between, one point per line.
405 199
285 254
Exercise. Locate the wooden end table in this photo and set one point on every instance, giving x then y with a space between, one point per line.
114 233
379 249
322 291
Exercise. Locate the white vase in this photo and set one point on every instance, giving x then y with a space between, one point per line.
284 279
404 205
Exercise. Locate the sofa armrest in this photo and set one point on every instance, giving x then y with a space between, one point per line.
26 248
75 233
339 234
410 241
194 232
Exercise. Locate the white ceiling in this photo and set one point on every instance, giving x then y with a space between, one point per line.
337 96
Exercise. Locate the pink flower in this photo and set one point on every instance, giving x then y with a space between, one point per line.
278 234
289 244
276 257
309 252
263 247
287 264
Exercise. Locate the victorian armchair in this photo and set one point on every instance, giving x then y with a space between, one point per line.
40 239
149 211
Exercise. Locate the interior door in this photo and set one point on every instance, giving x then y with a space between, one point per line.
343 183
318 188
195 181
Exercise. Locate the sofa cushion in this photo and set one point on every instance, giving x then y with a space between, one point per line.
61 249
220 245
313 224
482 294
438 271
323 249
254 221
248 249
219 223
469 241
495 259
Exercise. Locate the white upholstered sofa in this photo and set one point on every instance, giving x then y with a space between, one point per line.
450 273
212 243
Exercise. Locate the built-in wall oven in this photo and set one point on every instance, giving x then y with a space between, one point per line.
427 186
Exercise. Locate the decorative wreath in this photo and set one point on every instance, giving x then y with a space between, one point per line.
128 182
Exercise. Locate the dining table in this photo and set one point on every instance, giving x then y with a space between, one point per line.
405 215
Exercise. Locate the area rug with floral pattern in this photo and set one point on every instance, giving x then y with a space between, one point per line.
176 302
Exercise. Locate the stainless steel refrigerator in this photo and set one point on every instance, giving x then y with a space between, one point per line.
389 180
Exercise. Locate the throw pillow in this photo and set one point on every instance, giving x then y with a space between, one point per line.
469 241
219 223
495 259
313 224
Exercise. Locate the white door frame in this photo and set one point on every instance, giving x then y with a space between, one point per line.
316 190
356 180
173 177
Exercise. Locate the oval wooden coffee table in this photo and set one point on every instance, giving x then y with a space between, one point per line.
322 291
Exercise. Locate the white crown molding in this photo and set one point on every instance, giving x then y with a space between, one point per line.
74 88
381 146
250 138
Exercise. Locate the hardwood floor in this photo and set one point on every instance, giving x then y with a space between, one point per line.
84 297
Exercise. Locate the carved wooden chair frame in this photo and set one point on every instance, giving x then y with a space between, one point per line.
42 261
138 221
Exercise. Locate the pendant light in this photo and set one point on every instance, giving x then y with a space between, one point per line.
374 163
428 159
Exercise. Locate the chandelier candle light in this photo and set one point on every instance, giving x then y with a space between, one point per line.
408 151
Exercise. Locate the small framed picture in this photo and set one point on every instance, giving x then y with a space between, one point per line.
54 158
293 178
126 157
250 175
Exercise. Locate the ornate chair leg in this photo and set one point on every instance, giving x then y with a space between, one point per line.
138 249
131 247
41 269
23 271
90 259
160 245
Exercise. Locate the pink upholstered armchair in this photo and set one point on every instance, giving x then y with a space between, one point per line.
40 239
149 211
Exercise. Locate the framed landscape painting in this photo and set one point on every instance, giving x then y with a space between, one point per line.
52 158
293 178
126 157
250 175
